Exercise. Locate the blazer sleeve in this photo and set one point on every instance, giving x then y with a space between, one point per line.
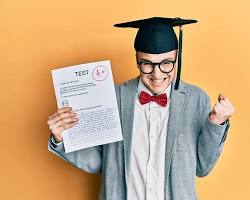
89 159
210 141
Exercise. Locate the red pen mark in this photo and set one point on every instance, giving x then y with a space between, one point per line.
100 73
97 72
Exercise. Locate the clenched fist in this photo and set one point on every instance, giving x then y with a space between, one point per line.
61 120
222 110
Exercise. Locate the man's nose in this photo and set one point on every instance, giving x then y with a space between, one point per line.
156 70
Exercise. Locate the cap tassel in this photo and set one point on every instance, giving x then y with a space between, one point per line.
179 60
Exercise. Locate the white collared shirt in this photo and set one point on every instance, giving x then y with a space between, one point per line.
146 176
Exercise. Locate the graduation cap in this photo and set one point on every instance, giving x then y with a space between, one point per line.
156 35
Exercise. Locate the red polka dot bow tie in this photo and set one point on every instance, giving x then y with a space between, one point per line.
160 99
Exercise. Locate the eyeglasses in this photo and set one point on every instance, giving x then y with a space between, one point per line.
147 67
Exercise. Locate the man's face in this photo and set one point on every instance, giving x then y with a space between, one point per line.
157 81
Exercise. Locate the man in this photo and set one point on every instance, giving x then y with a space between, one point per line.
170 132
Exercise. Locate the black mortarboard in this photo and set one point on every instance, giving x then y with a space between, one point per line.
156 35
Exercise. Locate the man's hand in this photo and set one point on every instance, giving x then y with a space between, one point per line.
222 110
61 120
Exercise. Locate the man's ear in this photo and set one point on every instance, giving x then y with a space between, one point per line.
136 58
176 56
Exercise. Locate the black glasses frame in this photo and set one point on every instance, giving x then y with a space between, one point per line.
154 64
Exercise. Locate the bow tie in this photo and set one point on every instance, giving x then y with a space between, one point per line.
160 99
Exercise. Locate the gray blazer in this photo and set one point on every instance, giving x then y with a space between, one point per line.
192 148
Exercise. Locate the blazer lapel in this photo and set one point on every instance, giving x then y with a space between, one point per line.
178 98
128 94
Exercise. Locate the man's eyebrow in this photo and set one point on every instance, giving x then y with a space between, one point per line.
144 59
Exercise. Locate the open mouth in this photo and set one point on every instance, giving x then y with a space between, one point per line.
158 80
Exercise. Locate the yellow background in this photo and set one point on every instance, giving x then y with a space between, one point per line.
39 35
